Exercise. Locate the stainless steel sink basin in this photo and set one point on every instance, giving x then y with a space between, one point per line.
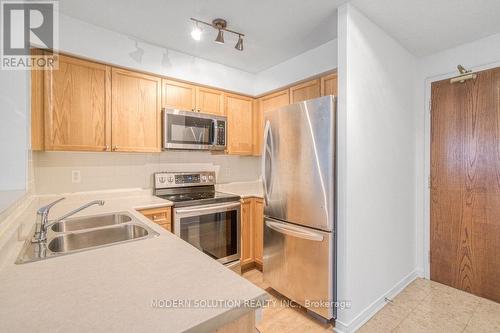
96 237
80 223
86 233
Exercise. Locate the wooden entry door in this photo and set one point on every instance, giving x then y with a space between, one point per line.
465 184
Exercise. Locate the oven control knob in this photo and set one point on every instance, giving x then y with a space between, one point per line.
211 178
170 179
203 179
161 179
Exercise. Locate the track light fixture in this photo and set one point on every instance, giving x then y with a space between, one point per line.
221 26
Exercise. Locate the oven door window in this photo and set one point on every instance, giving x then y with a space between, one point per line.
185 129
215 234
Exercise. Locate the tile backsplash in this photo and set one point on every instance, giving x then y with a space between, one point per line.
100 171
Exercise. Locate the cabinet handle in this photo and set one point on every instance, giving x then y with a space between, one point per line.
114 147
106 148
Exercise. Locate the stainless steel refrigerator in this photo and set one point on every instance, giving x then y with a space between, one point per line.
298 167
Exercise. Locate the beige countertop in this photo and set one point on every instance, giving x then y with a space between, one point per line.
243 189
113 289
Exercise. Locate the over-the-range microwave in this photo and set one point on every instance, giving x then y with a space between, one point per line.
193 130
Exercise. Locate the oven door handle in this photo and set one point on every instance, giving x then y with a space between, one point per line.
214 208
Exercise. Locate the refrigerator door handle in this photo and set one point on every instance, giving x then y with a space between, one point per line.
267 149
294 231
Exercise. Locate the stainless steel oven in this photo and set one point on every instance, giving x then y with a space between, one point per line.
213 229
205 218
193 130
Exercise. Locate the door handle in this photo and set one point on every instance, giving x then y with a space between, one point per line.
265 150
294 231
206 208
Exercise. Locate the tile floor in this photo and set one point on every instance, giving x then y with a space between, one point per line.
422 307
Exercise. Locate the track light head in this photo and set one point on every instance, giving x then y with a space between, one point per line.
239 45
196 32
220 37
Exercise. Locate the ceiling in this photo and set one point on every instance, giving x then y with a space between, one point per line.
281 29
428 26
274 30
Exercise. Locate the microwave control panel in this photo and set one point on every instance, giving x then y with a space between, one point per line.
221 133
183 179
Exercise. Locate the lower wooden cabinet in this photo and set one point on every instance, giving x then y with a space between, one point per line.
258 231
246 246
252 217
161 216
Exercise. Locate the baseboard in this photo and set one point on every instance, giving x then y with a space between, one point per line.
373 308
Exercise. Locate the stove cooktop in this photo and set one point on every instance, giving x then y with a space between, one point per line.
198 198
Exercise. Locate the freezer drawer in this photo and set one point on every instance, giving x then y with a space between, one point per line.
299 264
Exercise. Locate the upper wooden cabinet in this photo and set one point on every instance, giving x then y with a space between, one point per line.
304 91
209 101
136 111
329 84
178 95
77 106
240 124
274 100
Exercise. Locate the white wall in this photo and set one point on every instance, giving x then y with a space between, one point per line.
479 55
102 171
84 39
14 103
108 46
376 219
315 61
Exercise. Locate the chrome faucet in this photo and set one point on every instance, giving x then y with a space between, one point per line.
43 223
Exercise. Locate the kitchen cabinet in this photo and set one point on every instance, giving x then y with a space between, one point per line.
266 103
210 101
240 124
178 95
246 246
161 216
329 84
77 106
258 230
307 90
136 111
257 128
37 101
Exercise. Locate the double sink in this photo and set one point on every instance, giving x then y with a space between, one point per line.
85 233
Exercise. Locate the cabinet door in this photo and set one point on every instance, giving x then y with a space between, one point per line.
240 126
304 91
178 95
329 85
136 108
275 100
37 100
258 229
258 128
77 106
161 216
209 101
246 232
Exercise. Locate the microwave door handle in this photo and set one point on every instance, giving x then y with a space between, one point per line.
294 232
207 208
213 134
